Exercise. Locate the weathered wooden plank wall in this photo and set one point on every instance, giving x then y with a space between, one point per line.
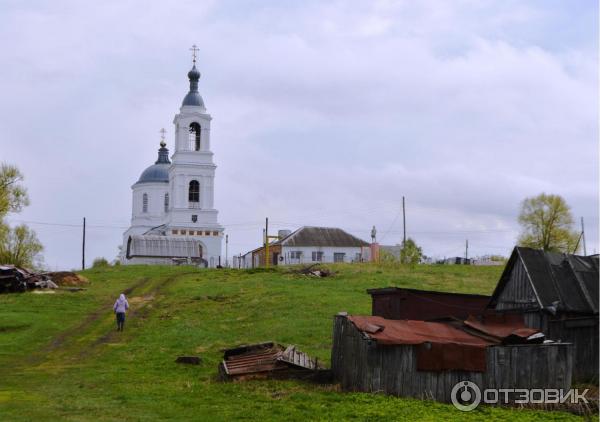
517 293
360 364
583 333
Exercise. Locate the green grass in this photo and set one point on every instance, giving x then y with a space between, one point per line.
60 358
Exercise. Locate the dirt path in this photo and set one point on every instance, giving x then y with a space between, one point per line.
89 320
138 309
79 342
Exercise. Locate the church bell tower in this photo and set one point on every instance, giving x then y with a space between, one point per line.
192 173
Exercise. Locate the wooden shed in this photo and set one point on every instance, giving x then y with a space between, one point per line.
427 359
558 294
401 303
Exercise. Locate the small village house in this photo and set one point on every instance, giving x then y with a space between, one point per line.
309 245
557 293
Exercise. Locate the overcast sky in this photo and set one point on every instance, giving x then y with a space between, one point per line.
324 113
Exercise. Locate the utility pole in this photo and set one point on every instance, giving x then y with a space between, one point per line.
267 242
467 251
83 248
267 239
403 223
583 238
226 251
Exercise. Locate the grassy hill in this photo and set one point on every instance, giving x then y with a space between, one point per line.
61 358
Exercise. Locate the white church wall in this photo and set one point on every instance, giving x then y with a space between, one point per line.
180 178
155 214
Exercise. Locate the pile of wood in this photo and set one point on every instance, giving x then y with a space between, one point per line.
68 278
268 360
15 279
313 271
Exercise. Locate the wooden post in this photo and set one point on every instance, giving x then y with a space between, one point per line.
267 243
226 250
403 223
83 248
583 238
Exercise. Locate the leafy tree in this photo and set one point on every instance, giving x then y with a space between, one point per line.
547 224
13 196
20 245
410 252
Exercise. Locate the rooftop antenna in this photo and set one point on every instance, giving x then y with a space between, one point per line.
194 50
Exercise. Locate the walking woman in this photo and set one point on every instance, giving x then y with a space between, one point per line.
120 307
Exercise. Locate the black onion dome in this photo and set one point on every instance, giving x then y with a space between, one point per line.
159 171
193 97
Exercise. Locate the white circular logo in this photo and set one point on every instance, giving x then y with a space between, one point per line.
465 396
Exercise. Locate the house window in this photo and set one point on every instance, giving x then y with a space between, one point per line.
195 131
317 256
145 202
194 192
295 254
338 257
166 202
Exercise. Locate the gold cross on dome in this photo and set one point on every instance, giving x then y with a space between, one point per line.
162 137
194 50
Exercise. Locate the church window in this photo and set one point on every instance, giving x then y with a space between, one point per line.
194 191
182 231
166 202
206 233
175 231
195 131
215 233
145 202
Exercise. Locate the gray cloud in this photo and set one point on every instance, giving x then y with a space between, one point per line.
323 114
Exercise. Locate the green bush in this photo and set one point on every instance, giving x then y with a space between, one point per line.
100 263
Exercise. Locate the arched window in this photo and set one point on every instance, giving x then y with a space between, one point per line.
195 130
145 202
166 202
194 192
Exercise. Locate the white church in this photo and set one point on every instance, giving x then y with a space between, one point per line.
173 218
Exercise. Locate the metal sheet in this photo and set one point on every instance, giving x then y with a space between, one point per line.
424 305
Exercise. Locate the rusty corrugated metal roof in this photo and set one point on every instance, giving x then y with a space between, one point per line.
392 332
506 332
453 345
